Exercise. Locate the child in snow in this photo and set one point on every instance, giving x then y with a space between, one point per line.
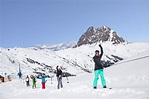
59 77
34 81
27 81
98 70
43 81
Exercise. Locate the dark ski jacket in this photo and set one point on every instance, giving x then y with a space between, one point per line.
97 60
34 79
58 73
20 74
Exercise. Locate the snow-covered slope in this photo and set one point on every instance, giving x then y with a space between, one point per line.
74 60
83 55
129 79
30 60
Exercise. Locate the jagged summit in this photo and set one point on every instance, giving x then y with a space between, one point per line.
101 34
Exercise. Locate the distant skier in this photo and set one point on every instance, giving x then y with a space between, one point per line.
20 75
34 81
43 81
98 70
59 77
8 77
27 81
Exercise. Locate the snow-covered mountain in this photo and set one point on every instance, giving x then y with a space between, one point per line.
55 47
101 34
129 74
43 58
91 36
78 59
129 79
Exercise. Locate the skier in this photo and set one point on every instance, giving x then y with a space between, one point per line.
34 81
43 81
27 81
20 75
59 77
98 70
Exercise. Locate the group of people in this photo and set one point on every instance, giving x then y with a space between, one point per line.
3 79
98 70
27 79
43 79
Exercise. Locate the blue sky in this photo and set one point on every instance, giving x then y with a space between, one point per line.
25 23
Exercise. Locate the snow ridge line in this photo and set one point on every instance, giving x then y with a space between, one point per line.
131 60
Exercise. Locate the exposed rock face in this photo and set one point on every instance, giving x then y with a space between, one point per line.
102 34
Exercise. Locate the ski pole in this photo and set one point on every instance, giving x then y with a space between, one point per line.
51 80
67 79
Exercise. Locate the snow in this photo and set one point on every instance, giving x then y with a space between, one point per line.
68 58
55 47
111 35
129 78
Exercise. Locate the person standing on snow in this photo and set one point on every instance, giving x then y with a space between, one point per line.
34 81
98 70
20 75
27 81
43 81
59 77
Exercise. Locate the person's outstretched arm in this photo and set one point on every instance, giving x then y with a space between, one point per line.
101 49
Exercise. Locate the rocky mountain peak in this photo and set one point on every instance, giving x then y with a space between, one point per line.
102 34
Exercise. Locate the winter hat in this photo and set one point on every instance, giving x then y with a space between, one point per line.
97 51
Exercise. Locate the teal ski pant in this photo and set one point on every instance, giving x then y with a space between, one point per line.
97 73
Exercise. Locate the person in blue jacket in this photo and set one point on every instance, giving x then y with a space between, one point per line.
43 81
20 75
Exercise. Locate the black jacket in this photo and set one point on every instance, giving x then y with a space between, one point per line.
58 73
97 60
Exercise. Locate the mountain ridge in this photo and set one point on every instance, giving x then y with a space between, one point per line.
55 47
102 34
92 35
